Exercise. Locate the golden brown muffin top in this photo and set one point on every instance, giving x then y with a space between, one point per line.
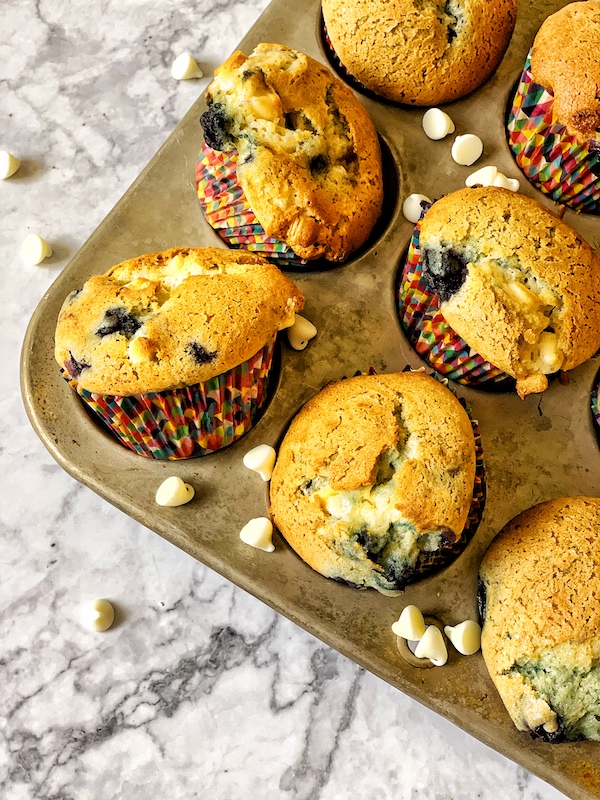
528 294
166 320
309 157
566 60
542 579
389 450
421 52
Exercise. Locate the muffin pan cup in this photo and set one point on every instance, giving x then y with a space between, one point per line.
534 450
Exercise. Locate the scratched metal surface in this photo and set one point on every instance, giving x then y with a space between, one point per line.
534 450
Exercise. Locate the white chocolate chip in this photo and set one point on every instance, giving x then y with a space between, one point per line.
412 208
489 176
34 249
301 332
523 295
549 353
466 636
9 164
432 646
512 184
97 615
467 149
482 177
337 506
257 533
185 67
410 625
174 492
261 459
437 124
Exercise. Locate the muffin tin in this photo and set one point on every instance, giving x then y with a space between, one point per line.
534 450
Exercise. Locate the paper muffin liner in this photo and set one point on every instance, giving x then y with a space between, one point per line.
552 159
342 69
190 421
228 211
429 333
595 406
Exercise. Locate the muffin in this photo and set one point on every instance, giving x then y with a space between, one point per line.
288 148
429 333
419 53
514 281
173 350
374 480
539 590
554 120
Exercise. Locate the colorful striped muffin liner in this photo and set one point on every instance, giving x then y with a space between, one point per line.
190 421
429 333
228 211
552 159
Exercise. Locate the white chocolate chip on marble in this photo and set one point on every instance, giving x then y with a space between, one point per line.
34 249
174 492
412 208
9 164
432 646
437 124
410 625
466 636
261 459
97 615
257 533
185 67
301 332
467 149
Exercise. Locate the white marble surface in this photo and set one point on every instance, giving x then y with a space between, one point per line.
200 690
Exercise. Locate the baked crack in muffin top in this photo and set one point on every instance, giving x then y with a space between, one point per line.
309 160
166 320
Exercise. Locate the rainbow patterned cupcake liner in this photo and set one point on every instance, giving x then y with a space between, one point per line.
429 333
191 421
228 211
552 159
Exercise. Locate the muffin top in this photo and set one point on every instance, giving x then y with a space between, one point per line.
166 320
566 59
518 284
308 154
422 53
375 475
540 583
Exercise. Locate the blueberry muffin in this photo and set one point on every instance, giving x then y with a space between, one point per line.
520 286
554 121
420 53
173 350
374 480
539 590
307 156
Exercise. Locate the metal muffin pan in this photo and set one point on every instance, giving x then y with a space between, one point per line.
534 450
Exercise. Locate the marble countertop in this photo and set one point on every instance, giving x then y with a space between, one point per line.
199 690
